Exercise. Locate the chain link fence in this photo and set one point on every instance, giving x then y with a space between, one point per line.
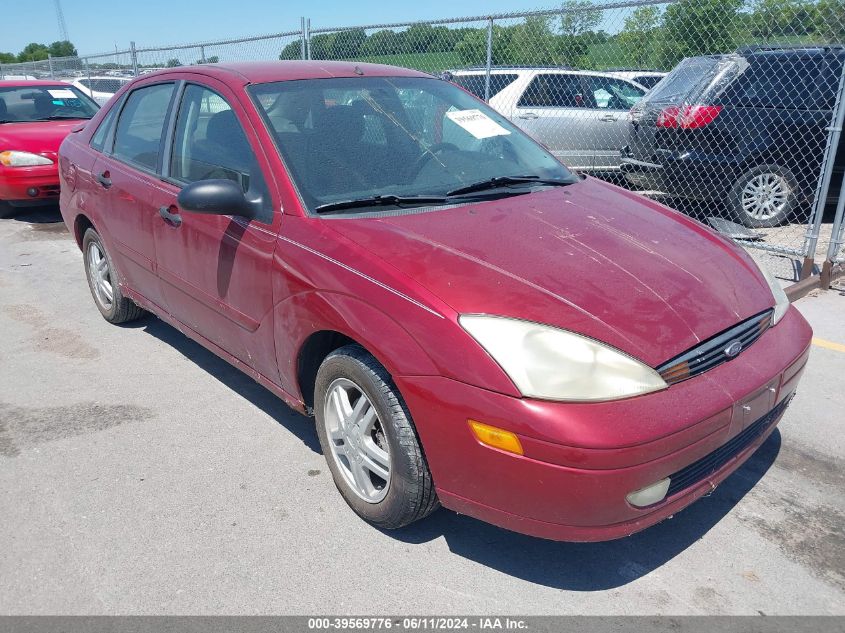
727 110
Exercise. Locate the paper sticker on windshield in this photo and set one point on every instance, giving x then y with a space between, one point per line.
62 94
477 123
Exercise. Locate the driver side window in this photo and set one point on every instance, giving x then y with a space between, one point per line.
209 141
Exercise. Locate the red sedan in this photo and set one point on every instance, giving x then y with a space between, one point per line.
470 323
35 117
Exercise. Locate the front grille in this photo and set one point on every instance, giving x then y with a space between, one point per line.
713 351
712 462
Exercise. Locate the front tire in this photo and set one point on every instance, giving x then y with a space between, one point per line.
369 441
103 281
764 197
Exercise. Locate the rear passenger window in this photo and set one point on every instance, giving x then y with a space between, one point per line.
555 91
141 125
209 141
776 81
99 139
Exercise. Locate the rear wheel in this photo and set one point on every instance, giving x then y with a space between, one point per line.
103 282
369 440
764 196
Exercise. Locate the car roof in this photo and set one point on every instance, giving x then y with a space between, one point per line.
264 72
28 83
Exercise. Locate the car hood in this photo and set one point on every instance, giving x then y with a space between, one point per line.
591 258
38 137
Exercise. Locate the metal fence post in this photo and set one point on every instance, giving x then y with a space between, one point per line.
2 76
302 38
811 238
50 64
134 55
489 62
202 54
308 38
837 238
88 72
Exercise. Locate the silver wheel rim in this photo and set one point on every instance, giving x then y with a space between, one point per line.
357 440
765 196
100 275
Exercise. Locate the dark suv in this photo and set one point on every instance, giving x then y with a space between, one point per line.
747 128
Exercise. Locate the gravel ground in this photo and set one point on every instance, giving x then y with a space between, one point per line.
141 474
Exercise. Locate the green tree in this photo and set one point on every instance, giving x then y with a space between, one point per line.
209 60
33 52
173 63
579 17
774 18
8 58
532 43
829 20
699 27
346 44
385 42
292 51
639 37
472 49
62 48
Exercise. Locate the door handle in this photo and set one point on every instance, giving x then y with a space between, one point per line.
608 118
173 219
527 115
104 179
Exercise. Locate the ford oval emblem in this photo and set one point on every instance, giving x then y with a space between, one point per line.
733 349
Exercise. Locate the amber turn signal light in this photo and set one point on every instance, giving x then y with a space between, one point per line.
496 437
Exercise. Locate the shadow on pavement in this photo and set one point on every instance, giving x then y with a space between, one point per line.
592 566
48 214
301 426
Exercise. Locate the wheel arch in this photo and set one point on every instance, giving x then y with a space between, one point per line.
309 326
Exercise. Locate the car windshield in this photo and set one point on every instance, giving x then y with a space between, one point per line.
388 138
44 103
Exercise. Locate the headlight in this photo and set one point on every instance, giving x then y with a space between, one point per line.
12 158
781 300
552 364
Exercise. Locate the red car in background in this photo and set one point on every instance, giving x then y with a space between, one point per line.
471 323
35 117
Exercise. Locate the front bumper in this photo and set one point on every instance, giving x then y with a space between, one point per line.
582 459
17 184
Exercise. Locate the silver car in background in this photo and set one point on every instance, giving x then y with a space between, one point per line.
101 89
581 116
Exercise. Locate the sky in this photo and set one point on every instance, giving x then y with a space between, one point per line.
96 26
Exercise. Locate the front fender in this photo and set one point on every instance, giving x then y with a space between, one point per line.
301 315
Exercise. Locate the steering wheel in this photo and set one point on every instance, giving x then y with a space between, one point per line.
431 152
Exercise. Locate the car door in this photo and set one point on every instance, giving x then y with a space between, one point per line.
555 109
126 174
214 270
611 100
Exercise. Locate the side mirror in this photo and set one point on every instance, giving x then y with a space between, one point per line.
217 197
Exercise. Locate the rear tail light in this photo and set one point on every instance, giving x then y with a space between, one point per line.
688 117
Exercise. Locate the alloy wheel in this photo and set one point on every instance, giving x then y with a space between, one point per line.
100 275
765 196
358 443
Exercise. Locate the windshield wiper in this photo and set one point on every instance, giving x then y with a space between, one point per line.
376 201
59 117
503 181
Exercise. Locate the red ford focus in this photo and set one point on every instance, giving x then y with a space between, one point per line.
470 323
35 116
